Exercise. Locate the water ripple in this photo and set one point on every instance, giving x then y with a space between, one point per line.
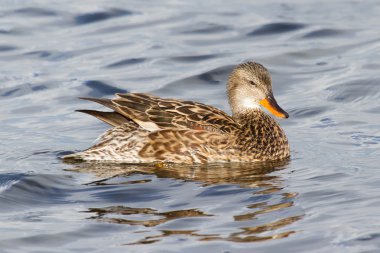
324 33
205 28
126 62
35 12
6 48
8 180
92 17
306 112
193 58
354 91
99 88
22 89
276 28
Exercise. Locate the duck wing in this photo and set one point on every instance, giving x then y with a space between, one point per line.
154 113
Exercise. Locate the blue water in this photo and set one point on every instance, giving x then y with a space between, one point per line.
324 61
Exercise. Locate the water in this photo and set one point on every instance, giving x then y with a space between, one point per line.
324 60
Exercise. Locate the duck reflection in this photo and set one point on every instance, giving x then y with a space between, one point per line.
270 197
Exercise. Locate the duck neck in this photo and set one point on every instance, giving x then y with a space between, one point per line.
252 117
262 135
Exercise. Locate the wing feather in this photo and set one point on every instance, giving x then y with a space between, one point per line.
172 113
112 118
153 113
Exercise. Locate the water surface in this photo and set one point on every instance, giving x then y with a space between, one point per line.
323 57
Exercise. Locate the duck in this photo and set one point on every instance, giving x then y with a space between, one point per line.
151 129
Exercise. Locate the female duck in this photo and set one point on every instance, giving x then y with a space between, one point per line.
150 129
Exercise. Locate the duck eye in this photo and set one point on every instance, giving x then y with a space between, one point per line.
252 83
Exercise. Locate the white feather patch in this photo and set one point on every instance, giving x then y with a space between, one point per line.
249 104
150 126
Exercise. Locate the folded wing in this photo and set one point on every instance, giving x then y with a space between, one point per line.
154 113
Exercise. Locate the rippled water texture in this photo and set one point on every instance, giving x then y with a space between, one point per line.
324 58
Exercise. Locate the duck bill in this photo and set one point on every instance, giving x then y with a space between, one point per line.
271 105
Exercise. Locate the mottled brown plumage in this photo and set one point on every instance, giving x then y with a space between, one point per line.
149 129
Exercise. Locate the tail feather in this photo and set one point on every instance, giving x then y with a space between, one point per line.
112 118
103 101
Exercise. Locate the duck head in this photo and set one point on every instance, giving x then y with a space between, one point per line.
249 87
